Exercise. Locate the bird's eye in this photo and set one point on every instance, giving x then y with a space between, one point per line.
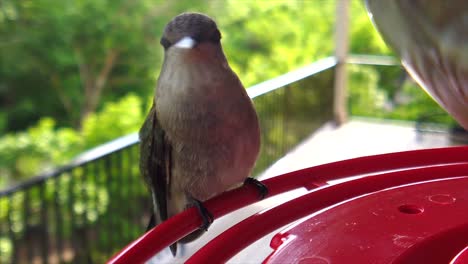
165 43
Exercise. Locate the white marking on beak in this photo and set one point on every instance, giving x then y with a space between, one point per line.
186 43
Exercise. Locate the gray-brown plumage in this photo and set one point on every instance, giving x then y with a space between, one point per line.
431 39
201 136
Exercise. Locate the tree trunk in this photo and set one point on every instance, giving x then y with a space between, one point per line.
94 84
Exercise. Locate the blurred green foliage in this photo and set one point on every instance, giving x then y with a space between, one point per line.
38 148
364 97
114 120
66 59
387 92
76 74
265 39
55 56
364 37
45 146
384 91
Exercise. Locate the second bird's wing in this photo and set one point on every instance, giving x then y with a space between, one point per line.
155 164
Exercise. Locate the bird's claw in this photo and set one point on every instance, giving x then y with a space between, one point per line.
207 217
262 189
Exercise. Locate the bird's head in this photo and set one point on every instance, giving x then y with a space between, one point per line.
187 30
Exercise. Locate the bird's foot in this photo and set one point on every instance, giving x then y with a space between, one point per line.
262 189
207 217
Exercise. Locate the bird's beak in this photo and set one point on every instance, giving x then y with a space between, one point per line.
186 43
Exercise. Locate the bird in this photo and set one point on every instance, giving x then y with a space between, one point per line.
201 136
430 38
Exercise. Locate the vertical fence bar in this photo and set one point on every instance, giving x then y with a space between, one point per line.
58 221
110 227
11 233
84 237
130 192
279 107
128 195
96 183
92 213
114 178
119 193
130 200
103 221
288 118
44 224
71 211
134 210
26 214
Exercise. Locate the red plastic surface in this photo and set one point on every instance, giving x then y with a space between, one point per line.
420 223
461 258
223 247
241 235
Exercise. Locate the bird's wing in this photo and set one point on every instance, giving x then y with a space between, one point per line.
155 163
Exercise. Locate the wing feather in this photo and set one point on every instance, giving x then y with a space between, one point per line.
155 163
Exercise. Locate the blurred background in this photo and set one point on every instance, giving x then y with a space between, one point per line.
75 75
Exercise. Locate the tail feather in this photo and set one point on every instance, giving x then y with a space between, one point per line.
151 223
173 248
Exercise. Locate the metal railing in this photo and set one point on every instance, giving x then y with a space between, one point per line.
90 209
78 214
